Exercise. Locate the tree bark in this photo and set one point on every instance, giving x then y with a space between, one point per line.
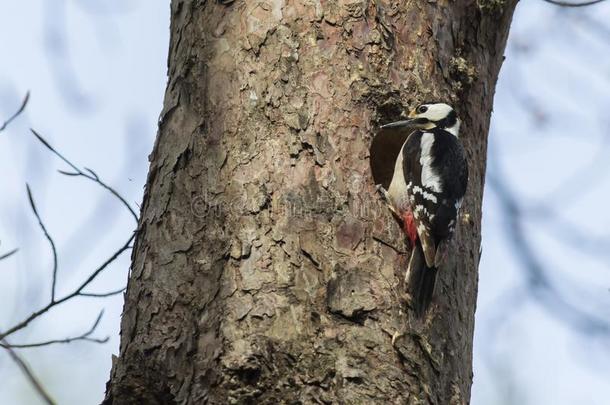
266 268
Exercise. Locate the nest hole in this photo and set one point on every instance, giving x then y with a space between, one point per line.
386 144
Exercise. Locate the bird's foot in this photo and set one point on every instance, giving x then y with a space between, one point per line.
385 196
383 192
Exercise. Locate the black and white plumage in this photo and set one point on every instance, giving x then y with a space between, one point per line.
426 191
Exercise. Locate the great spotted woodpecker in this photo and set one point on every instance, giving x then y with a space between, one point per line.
426 191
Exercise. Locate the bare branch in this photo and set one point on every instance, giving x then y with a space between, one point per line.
92 176
49 238
95 176
8 254
54 151
568 232
24 103
29 375
567 4
75 293
538 281
89 174
68 173
103 295
85 336
53 302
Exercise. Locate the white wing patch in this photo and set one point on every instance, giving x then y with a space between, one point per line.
429 178
421 229
420 211
428 196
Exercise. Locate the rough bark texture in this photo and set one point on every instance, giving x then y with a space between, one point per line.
263 270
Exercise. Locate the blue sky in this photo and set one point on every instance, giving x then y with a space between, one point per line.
97 76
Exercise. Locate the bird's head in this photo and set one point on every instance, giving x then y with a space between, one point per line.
428 116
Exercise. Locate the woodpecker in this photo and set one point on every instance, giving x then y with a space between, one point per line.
426 191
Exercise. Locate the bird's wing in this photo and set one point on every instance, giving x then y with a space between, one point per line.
451 165
422 200
452 168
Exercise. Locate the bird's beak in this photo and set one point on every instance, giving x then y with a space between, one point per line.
412 123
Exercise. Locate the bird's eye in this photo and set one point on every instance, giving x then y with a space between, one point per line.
422 109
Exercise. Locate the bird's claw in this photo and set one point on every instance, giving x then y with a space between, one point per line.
385 196
382 191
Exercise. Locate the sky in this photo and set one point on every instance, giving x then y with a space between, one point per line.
97 73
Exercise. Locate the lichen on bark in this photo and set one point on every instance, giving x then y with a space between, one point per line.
491 5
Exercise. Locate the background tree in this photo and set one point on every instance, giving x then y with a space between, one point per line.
259 271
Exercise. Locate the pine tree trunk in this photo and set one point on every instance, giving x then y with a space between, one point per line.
266 268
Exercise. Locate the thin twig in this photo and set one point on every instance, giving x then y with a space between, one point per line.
85 336
73 294
29 375
103 295
567 4
8 254
78 292
49 238
24 103
91 175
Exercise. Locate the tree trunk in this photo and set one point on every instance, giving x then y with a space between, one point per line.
266 268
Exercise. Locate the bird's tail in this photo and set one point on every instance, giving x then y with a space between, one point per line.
420 281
